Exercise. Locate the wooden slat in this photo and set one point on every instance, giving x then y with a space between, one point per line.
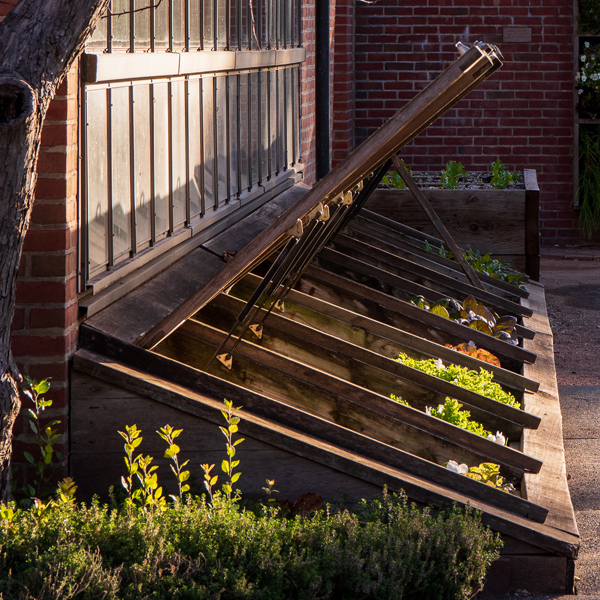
448 88
423 276
369 333
285 376
550 486
387 240
353 363
414 241
372 471
396 312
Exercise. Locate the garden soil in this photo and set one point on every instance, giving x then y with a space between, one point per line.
572 285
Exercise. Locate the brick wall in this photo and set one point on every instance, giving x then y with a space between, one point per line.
45 321
307 103
524 115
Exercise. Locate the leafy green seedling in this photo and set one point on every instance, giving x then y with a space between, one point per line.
169 434
451 175
393 180
228 464
46 436
501 177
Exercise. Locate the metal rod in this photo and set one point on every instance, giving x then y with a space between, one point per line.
215 146
109 29
170 25
259 126
227 134
187 25
202 162
258 292
250 131
131 25
132 170
152 30
109 177
170 157
239 131
188 207
152 166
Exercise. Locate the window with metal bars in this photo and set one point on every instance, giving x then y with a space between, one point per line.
190 111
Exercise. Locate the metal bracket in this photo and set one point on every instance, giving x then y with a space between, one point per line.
279 305
257 330
226 359
347 198
296 230
325 215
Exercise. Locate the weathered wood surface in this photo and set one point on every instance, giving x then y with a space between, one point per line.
423 276
549 487
484 219
456 81
331 456
368 333
412 241
393 311
355 364
142 309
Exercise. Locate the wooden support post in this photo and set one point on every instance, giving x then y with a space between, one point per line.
418 194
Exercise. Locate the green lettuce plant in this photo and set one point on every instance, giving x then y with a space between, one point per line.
451 175
501 176
478 382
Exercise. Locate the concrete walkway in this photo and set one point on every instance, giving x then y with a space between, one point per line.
572 282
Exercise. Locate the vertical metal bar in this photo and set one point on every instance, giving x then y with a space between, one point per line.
294 124
186 95
215 24
170 157
268 22
133 215
82 205
228 30
132 26
249 131
170 28
258 18
277 121
299 24
228 135
239 131
259 125
249 22
284 22
215 144
277 22
201 39
152 169
109 178
152 35
268 111
285 121
239 22
201 110
187 26
109 29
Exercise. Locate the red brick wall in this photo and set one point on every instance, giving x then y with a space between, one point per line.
307 103
524 115
45 321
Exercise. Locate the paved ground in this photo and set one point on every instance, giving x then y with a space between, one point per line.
572 282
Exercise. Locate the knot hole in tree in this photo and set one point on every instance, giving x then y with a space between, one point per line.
16 101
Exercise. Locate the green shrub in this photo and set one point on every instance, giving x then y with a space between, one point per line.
385 549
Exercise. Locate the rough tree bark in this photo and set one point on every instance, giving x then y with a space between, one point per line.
39 40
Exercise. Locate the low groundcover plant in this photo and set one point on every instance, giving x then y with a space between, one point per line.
185 546
384 549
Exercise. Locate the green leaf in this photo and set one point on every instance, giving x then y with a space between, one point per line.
32 414
172 451
29 458
185 488
441 311
214 480
233 429
184 476
236 476
225 466
238 441
33 427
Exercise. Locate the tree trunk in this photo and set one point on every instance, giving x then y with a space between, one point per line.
39 40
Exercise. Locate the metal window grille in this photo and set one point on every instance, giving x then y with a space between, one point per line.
167 153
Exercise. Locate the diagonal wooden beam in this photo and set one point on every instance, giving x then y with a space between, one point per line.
441 228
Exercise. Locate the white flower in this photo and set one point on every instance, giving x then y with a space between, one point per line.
594 76
582 57
586 44
577 77
583 78
439 364
453 466
440 408
491 437
428 410
500 439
